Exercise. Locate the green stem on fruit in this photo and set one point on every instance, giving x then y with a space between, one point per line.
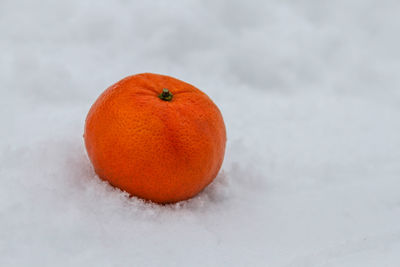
165 95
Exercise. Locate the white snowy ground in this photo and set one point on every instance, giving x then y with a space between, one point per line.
310 93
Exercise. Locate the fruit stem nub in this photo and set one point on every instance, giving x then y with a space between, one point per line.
165 95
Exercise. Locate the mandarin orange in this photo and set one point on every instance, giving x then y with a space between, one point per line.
155 137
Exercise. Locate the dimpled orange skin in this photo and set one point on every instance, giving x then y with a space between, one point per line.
162 151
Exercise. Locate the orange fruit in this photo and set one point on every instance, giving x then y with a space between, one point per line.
155 137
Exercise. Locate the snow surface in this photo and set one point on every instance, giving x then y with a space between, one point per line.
310 93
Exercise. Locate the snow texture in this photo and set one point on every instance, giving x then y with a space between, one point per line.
310 93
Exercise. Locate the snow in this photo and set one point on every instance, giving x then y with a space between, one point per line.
310 94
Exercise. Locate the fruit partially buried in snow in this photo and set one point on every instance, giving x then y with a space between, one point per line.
155 137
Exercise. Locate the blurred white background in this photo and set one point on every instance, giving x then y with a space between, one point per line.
310 93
